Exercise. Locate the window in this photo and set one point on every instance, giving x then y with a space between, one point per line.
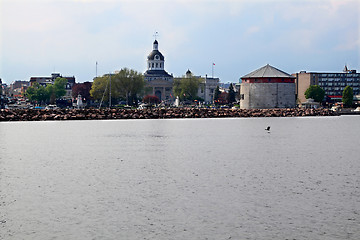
242 96
156 64
152 64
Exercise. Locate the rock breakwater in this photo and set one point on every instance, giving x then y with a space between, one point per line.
154 113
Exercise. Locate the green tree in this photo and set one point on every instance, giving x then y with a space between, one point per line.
315 92
186 87
37 93
347 96
231 95
217 94
31 92
50 89
59 87
56 90
127 83
42 94
100 88
177 87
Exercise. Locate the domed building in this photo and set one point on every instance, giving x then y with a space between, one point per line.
267 87
159 82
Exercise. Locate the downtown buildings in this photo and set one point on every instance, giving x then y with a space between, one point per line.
160 83
333 83
266 87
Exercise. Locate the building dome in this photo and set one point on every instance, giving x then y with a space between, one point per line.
155 55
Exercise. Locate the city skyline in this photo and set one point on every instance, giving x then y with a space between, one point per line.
70 36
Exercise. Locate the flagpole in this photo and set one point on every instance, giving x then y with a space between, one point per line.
213 70
96 69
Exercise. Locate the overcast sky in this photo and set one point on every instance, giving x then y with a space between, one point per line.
38 37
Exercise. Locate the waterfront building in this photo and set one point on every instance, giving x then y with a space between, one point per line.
267 87
333 83
158 81
51 79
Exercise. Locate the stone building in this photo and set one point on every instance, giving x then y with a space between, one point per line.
158 81
333 83
267 87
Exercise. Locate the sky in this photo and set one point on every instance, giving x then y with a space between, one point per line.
39 37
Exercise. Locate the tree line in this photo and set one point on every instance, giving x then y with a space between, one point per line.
125 85
47 94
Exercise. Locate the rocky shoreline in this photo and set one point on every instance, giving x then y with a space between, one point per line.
154 113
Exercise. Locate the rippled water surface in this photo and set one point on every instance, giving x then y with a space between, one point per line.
181 179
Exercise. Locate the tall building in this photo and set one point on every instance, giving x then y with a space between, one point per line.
333 83
158 81
267 87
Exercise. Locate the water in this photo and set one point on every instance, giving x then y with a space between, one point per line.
181 179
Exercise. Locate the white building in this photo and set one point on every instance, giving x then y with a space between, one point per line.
158 81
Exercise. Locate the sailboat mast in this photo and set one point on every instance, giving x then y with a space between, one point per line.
110 92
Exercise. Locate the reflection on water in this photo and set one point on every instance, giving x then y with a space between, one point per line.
181 179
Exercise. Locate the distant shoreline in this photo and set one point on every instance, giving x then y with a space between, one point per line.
7 115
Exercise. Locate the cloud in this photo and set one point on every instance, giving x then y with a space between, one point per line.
251 30
40 34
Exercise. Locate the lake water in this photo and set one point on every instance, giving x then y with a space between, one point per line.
181 179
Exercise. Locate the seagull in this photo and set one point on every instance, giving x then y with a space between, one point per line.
268 128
